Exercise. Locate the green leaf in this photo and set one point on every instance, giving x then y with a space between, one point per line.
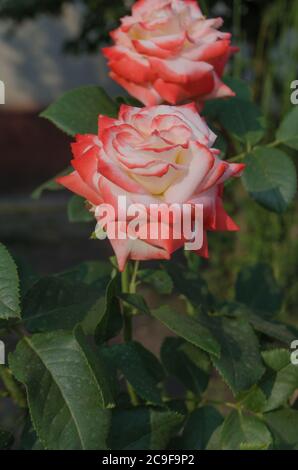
215 439
253 399
110 322
257 288
270 178
77 210
240 363
77 111
241 432
140 368
192 286
273 329
137 301
199 427
284 426
276 359
280 383
238 115
189 369
287 133
159 279
50 185
88 272
6 439
55 303
143 429
240 87
29 439
188 328
9 287
65 394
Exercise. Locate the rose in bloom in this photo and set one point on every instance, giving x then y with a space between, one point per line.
167 51
153 155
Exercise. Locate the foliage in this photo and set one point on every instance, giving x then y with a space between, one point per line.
88 384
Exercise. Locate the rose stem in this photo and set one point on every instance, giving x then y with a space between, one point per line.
128 283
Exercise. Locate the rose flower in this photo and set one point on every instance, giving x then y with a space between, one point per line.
153 155
167 51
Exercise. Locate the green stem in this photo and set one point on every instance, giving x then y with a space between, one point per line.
128 283
276 143
240 156
132 285
13 389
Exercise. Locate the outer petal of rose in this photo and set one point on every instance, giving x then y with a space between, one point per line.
137 250
200 162
114 173
180 70
128 64
145 93
120 35
126 113
232 170
83 144
223 221
170 243
175 93
196 122
141 7
214 175
201 87
172 93
220 62
208 52
170 42
201 30
74 183
86 166
220 90
149 48
104 122
208 201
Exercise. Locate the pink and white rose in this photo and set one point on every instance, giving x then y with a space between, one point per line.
167 51
153 155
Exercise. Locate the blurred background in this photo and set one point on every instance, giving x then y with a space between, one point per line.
52 46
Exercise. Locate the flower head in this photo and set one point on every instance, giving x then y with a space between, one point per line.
167 51
160 155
